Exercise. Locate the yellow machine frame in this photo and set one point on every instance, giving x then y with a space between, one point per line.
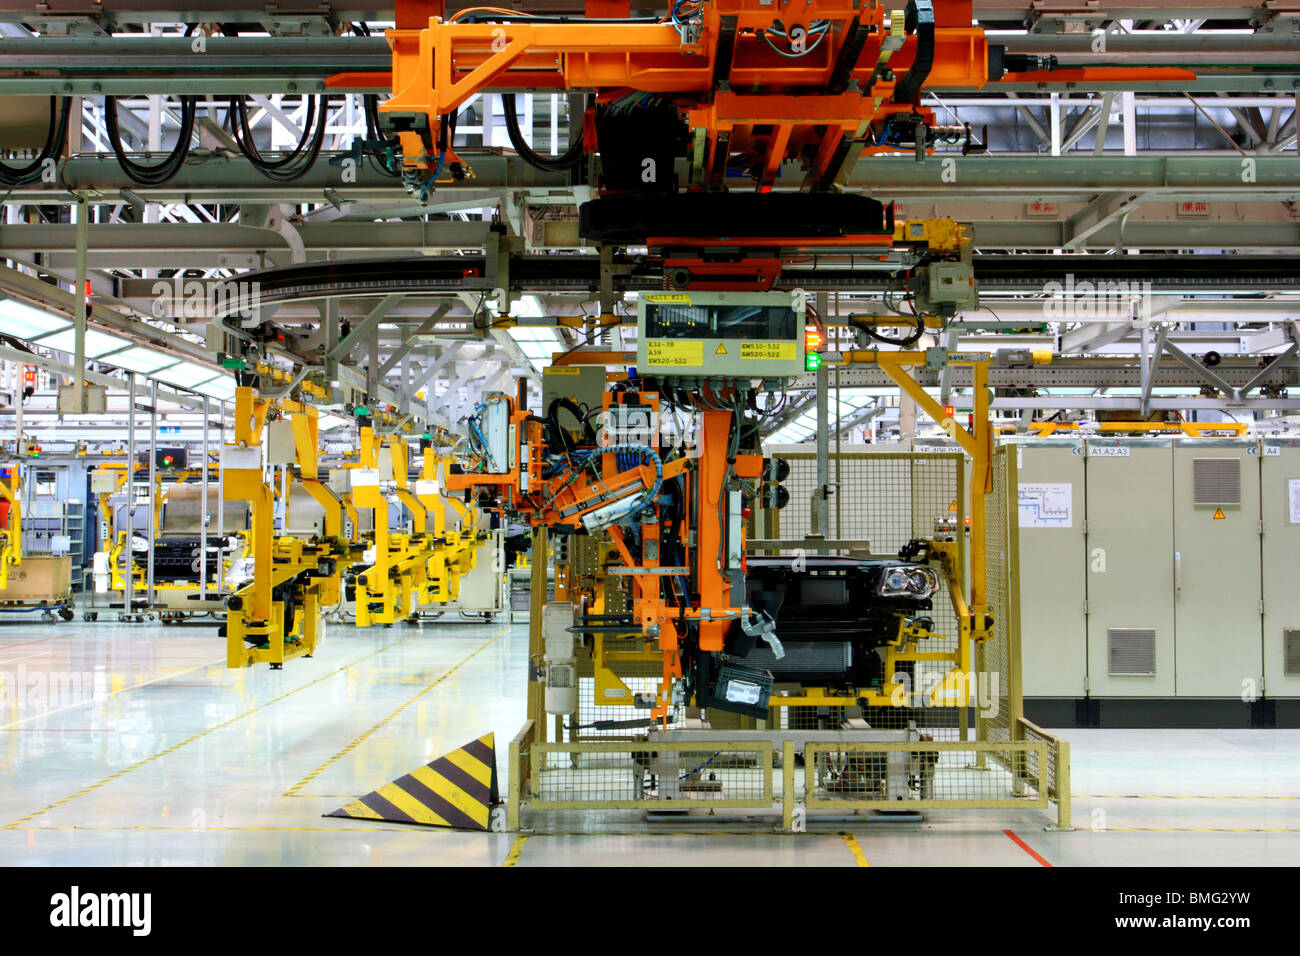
11 551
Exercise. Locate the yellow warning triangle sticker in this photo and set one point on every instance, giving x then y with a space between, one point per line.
721 349
1219 515
953 506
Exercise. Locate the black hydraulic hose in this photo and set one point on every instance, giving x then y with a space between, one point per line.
905 342
370 103
157 174
55 140
300 159
248 144
557 434
569 159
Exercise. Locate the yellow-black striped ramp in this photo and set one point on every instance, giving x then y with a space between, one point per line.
456 790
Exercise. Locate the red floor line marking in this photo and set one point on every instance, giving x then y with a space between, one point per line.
36 641
1026 847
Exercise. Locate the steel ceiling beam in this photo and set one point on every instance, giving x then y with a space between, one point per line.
409 340
213 178
363 328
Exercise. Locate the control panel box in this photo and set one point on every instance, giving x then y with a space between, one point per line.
724 334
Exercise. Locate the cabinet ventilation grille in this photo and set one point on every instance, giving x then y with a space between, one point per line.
1131 651
1291 651
1216 481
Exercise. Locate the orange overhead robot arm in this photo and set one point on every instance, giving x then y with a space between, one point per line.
803 79
585 490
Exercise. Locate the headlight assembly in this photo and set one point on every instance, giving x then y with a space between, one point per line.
914 581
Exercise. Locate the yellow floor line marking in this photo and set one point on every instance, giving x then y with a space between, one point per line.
226 829
357 741
855 848
110 696
1200 829
189 740
1173 796
513 856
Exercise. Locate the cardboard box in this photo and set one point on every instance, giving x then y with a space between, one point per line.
39 580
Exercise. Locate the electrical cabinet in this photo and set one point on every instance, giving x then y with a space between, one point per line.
1188 550
1053 642
1130 560
1279 549
1217 568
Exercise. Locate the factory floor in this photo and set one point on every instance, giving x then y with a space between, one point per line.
132 744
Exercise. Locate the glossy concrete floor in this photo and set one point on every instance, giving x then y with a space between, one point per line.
124 744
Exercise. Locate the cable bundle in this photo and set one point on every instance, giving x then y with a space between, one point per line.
293 165
158 174
54 143
567 160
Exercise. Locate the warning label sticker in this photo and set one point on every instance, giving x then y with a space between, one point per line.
779 351
674 352
720 350
1219 515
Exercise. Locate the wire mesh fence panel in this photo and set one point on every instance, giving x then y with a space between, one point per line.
924 773
629 775
997 659
605 721
887 498
1028 731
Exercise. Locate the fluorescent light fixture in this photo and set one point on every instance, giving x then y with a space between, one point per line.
97 343
23 322
185 375
525 334
142 360
527 307
222 388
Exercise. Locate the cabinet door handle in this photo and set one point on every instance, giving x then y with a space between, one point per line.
1178 572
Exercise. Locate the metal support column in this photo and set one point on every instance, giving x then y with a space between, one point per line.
79 307
221 501
128 553
203 520
539 568
153 484
821 496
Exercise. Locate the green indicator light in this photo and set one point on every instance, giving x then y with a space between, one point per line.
812 361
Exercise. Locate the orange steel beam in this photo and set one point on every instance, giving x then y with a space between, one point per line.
436 69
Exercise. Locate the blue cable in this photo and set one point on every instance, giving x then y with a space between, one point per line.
700 767
642 451
429 185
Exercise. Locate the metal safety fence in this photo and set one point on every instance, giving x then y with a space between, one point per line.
925 774
886 498
999 656
1053 771
799 778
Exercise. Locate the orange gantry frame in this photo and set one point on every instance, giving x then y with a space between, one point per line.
727 75
562 500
